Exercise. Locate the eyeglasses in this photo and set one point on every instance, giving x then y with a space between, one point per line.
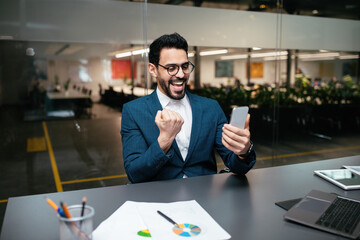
173 69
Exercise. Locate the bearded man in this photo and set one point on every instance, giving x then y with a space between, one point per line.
172 133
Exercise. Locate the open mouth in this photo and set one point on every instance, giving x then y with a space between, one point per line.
177 85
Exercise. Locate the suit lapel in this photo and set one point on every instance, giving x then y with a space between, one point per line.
153 103
196 123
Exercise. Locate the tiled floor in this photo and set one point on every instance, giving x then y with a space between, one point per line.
88 152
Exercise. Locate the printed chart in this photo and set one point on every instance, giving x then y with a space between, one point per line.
144 233
186 230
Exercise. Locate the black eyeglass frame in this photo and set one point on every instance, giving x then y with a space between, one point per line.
178 68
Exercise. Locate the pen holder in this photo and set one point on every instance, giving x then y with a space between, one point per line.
77 227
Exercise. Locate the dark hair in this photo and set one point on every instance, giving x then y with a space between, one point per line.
166 41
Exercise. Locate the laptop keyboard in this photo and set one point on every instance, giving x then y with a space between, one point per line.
343 215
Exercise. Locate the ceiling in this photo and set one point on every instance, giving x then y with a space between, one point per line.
346 9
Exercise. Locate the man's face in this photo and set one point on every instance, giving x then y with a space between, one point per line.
172 86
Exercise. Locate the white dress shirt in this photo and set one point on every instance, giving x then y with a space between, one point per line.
182 107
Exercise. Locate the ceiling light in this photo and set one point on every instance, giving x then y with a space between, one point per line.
215 52
319 55
318 59
269 54
256 48
121 55
141 51
275 58
232 57
349 57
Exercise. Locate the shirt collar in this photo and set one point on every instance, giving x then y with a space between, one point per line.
165 100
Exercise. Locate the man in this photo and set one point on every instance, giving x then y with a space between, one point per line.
172 133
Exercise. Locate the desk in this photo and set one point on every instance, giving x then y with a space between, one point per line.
70 101
138 91
243 206
71 94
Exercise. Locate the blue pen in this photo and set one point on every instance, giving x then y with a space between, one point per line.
55 207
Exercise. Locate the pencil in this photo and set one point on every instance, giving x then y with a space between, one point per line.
55 207
52 204
68 215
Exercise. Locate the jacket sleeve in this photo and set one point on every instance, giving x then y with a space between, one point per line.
142 159
230 159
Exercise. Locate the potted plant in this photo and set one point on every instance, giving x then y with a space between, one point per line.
66 86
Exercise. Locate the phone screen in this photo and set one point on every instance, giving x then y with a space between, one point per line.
238 116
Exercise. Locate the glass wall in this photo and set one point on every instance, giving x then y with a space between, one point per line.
67 67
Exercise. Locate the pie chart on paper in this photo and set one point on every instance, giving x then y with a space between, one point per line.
144 233
186 230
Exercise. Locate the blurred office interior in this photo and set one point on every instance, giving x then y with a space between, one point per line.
67 67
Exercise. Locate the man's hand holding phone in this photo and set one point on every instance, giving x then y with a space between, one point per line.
236 135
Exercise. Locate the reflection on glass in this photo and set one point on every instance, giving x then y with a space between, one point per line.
341 174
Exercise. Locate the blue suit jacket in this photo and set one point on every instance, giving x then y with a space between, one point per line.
144 160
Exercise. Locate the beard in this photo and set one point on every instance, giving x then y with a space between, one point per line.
176 95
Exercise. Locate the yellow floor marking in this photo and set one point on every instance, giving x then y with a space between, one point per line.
309 153
36 144
3 201
303 153
94 179
55 170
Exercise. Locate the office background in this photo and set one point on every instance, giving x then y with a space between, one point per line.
84 46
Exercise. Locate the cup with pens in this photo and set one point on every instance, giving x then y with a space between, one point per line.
76 221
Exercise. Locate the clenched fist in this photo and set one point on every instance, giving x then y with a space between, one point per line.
169 124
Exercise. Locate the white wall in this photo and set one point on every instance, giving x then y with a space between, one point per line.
207 75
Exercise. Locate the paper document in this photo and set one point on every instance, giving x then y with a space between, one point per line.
179 220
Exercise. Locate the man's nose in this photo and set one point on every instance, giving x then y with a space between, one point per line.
180 73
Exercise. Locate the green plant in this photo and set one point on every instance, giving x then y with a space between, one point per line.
267 97
56 80
66 84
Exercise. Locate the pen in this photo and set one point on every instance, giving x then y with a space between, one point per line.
75 228
66 210
83 206
55 207
167 218
82 210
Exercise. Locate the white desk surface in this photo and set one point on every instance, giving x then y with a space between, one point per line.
71 94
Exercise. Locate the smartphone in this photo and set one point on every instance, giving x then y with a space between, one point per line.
238 116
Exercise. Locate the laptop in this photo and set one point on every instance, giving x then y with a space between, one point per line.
328 212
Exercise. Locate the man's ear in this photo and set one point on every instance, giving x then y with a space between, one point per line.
152 70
